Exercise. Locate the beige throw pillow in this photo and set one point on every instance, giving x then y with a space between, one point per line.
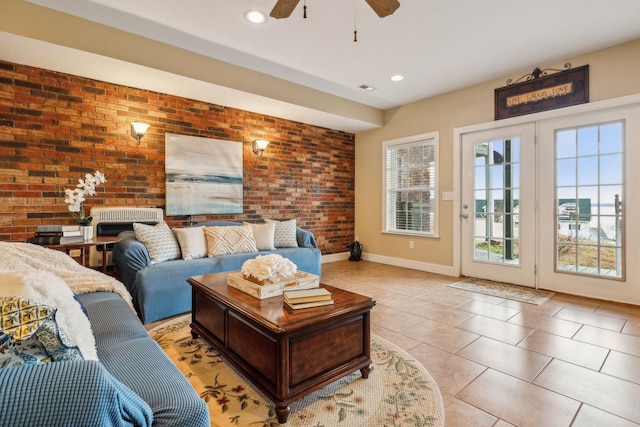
264 235
230 239
192 242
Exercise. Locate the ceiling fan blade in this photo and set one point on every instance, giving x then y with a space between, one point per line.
384 7
283 8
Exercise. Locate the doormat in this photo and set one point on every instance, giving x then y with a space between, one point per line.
504 290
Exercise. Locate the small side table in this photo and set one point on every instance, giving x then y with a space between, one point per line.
97 241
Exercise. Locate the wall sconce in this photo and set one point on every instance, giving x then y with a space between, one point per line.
138 130
259 145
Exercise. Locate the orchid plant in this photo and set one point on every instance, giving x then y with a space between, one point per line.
75 197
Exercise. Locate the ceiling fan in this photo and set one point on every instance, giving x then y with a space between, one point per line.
283 8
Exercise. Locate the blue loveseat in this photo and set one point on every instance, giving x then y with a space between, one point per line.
161 290
134 383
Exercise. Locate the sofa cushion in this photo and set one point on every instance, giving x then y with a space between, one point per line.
159 240
67 333
285 233
28 352
229 240
264 234
31 334
21 318
59 345
192 242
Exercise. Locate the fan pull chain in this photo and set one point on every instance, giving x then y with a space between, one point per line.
304 14
355 21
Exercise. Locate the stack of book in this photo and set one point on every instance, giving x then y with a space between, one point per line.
56 235
306 298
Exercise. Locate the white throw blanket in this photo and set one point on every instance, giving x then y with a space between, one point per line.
17 256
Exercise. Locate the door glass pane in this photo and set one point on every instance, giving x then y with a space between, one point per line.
610 171
567 177
588 170
589 194
496 204
566 144
588 141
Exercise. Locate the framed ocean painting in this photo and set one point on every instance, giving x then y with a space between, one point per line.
203 175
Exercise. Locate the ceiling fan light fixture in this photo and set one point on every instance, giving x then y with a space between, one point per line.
255 16
382 8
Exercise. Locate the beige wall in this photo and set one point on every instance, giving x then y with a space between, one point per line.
613 72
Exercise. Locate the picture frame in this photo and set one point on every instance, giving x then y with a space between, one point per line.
203 176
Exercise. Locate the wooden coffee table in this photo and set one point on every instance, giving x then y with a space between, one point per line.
286 353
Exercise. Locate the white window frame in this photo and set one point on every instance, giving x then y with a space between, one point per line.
430 138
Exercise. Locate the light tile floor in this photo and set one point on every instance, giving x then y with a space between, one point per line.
571 361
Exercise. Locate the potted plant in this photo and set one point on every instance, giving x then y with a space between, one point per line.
75 199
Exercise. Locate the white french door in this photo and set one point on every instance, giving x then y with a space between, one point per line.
498 205
552 203
587 204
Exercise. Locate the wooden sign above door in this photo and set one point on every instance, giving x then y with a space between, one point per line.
541 92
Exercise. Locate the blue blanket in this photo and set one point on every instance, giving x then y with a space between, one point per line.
73 393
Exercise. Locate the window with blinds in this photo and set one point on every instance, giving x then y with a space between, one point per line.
410 185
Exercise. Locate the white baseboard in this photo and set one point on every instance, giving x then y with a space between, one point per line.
445 270
342 256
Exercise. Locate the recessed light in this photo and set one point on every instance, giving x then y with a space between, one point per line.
255 16
367 87
397 77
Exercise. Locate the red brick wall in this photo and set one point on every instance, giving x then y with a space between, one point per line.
56 127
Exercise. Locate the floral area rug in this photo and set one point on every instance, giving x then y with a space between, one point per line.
399 391
504 290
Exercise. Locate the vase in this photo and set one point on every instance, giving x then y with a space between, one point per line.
87 232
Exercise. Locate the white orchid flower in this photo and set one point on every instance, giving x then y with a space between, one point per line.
77 196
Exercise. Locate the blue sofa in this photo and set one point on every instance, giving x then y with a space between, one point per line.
161 290
133 384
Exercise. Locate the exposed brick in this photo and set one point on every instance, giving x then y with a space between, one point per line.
57 127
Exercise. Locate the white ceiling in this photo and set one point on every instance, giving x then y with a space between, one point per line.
438 45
